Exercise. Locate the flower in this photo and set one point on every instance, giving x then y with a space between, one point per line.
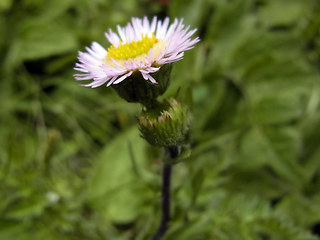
140 47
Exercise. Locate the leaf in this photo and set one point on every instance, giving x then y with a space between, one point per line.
5 5
28 208
308 211
230 26
276 109
254 150
10 229
193 11
273 14
45 40
277 149
114 187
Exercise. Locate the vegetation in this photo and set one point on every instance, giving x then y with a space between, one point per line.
74 167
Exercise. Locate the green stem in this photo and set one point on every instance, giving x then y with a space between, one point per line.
151 104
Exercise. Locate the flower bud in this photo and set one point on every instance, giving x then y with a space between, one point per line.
166 125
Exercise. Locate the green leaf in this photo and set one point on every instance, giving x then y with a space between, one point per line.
28 208
276 148
5 5
10 229
193 11
273 14
45 40
114 185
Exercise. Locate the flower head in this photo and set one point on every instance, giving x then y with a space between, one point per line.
141 47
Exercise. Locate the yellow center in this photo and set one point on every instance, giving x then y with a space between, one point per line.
133 49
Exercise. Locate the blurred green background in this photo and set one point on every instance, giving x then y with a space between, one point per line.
72 163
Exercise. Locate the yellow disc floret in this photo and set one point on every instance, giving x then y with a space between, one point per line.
132 49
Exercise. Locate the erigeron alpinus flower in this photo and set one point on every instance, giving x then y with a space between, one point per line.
139 47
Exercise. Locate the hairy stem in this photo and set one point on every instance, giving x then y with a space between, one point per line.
172 152
166 180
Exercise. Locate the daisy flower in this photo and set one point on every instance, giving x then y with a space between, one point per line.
141 47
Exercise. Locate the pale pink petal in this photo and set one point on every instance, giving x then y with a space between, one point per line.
92 64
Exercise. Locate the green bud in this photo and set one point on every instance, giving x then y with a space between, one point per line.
166 125
138 90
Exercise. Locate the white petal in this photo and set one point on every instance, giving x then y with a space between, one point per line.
175 37
122 78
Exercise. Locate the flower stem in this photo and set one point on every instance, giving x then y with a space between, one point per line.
172 152
166 180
